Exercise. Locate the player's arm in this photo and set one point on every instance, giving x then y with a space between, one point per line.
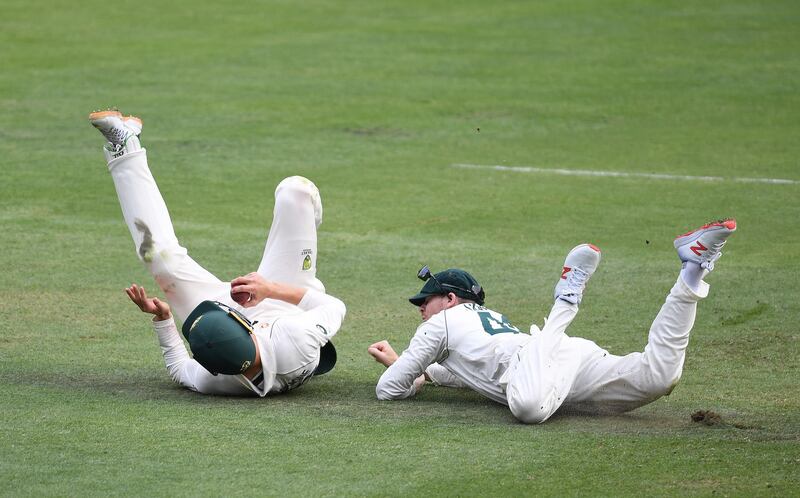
405 374
173 349
441 376
325 311
181 367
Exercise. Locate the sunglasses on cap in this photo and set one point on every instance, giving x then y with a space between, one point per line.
238 316
425 274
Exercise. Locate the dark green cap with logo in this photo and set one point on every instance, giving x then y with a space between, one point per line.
454 280
220 338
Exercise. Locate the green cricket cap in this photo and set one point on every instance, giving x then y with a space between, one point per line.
454 280
219 338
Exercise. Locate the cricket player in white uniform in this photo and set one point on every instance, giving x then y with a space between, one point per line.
265 332
461 343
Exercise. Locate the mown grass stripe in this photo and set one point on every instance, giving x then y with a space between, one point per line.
624 174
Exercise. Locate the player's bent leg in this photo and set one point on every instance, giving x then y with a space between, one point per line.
290 254
142 205
664 355
614 384
184 282
540 376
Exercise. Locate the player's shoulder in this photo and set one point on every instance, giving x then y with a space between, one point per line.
471 308
448 318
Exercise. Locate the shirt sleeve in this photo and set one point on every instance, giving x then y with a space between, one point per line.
427 345
188 372
441 376
325 312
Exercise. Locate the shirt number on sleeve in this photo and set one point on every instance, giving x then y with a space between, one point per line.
494 323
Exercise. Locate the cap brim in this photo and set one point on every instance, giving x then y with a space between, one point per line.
419 299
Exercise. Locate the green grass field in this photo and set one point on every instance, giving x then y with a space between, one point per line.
376 102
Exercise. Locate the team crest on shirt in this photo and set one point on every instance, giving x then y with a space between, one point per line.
306 253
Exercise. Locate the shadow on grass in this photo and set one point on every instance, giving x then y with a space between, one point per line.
354 400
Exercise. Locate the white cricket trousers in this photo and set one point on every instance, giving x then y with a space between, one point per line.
554 369
290 255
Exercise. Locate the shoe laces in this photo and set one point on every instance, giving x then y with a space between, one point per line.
713 253
117 135
576 281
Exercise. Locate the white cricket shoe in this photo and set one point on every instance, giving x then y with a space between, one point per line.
704 245
134 124
579 266
120 132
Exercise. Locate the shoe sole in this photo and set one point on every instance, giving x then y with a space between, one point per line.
98 115
566 269
136 120
728 224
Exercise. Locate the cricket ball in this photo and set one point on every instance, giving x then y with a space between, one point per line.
241 297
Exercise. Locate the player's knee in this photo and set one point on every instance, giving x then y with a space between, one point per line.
295 190
662 384
529 407
529 412
296 184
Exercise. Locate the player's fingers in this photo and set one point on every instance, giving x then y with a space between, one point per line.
378 345
244 288
143 299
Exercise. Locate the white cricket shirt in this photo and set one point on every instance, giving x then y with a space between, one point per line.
289 348
472 343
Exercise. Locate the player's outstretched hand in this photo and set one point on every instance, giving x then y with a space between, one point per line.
152 305
383 353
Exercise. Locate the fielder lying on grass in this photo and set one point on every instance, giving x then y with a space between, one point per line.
266 332
461 343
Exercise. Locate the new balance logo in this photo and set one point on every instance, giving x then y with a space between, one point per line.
564 272
698 248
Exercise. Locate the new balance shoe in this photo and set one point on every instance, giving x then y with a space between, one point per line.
579 266
121 133
704 245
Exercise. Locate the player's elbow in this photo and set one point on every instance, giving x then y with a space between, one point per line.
340 307
384 392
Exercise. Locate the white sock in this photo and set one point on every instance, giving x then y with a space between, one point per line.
692 274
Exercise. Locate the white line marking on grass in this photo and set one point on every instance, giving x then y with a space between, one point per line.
622 174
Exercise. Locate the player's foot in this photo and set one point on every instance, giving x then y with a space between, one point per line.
120 132
704 245
134 124
579 266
